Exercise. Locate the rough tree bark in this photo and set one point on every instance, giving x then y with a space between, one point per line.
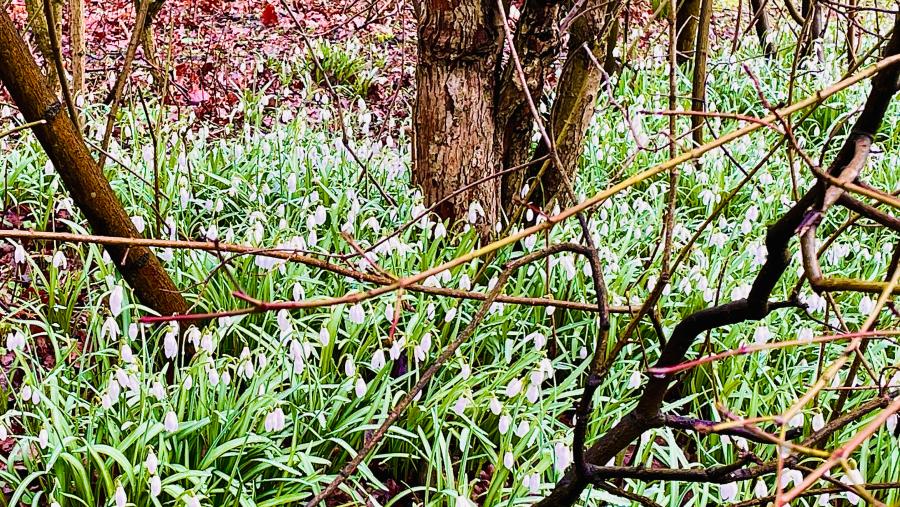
698 85
455 127
576 96
41 32
81 175
537 42
812 12
76 42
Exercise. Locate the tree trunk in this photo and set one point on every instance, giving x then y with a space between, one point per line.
812 11
76 41
763 27
455 132
81 175
576 97
687 17
698 91
41 31
537 43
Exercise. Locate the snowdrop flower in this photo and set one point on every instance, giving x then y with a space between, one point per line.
460 406
797 421
790 477
866 305
20 254
357 314
191 501
563 456
538 338
226 377
818 422
121 499
728 492
15 341
761 335
529 241
246 368
115 300
522 429
349 366
151 463
451 314
59 260
155 486
378 359
891 423
360 388
635 380
139 223
582 353
814 303
158 391
170 423
212 376
503 424
495 406
465 371
440 230
509 460
740 292
324 336
532 393
532 482
274 420
126 354
805 334
110 328
43 438
4 433
760 489
513 388
170 344
283 319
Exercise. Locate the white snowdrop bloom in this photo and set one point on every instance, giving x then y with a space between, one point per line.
26 392
451 314
532 393
563 456
274 420
460 406
718 239
120 497
582 353
324 336
741 443
855 477
158 391
211 233
568 265
760 254
495 406
503 424
54 504
360 388
891 423
292 183
349 366
538 338
151 463
170 422
389 312
155 486
534 484
395 350
514 387
529 241
761 335
116 296
805 334
492 283
212 375
192 335
357 314
509 460
19 255
283 319
139 223
797 421
790 477
824 500
728 492
634 381
321 214
818 422
866 305
226 377
760 489
522 429
440 230
550 309
170 345
297 292
815 303
465 371
188 382
191 501
475 211
43 438
378 359
740 292
126 354
4 433
60 261
246 368
432 281
15 341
